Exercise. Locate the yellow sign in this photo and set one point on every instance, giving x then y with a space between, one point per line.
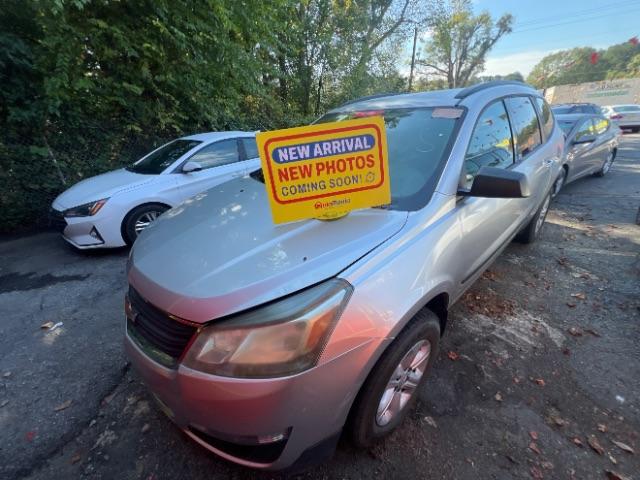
325 170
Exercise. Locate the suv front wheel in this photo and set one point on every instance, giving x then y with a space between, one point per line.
392 386
531 232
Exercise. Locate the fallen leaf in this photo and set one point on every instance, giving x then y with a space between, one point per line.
592 332
547 465
453 355
577 441
540 382
536 473
75 459
145 428
30 435
612 458
498 397
595 445
623 446
571 305
430 421
63 406
602 427
574 331
47 325
581 296
533 435
566 351
534 448
561 422
611 475
3 403
6 374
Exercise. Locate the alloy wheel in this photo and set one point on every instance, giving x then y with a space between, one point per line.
403 383
559 183
543 214
607 163
144 220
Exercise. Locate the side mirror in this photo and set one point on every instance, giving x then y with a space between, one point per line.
584 139
491 182
191 167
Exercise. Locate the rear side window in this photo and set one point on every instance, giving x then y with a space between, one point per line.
601 125
546 119
627 108
217 154
250 147
491 143
524 120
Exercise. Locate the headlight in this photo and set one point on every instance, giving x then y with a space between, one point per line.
86 210
282 338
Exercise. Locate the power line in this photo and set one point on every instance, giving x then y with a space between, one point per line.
577 13
544 27
579 37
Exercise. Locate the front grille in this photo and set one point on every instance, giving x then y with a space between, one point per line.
157 328
56 220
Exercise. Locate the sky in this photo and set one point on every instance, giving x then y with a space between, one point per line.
542 27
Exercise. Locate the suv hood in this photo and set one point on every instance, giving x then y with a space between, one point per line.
220 252
100 186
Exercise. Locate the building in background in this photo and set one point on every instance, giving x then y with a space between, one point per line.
606 92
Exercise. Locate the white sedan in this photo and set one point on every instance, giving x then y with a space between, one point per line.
111 209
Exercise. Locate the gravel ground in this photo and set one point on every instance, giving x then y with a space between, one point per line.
538 375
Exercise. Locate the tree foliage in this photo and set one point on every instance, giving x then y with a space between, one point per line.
88 85
459 41
585 64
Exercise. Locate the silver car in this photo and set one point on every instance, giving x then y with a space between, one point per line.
265 342
591 145
623 116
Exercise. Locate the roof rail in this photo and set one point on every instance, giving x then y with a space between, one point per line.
369 97
465 92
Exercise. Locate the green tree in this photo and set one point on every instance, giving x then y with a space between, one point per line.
577 65
459 41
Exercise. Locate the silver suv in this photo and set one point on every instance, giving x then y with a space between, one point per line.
264 342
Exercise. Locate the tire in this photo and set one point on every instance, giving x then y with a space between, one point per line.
559 183
606 166
367 424
531 232
131 225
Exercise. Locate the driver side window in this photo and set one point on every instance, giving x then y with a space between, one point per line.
491 143
217 154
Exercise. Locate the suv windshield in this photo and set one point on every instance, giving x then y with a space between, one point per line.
156 162
418 140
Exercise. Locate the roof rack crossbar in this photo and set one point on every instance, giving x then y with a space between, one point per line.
465 92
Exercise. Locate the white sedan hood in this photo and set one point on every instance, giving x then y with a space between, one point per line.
220 252
99 187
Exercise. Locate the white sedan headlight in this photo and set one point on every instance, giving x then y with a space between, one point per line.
282 338
86 210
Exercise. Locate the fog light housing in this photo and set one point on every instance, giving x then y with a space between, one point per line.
263 449
95 234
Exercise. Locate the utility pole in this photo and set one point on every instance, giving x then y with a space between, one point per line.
413 57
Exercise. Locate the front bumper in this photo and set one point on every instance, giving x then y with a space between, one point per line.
311 406
85 233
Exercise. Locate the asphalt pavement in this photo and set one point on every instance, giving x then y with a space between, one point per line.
538 375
